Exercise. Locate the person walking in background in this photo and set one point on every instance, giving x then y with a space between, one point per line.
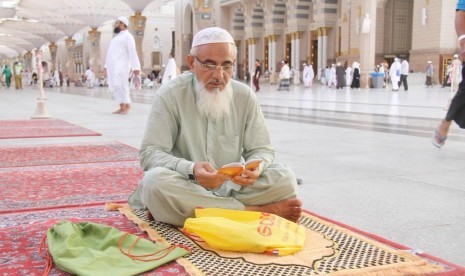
404 69
429 74
121 58
356 75
394 73
340 76
446 81
90 77
456 110
7 73
454 78
327 76
18 74
332 75
256 75
170 69
454 75
284 76
308 75
381 70
348 76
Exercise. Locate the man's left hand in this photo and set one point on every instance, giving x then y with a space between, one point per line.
248 177
136 72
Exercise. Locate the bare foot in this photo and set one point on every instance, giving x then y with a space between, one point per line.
290 209
118 111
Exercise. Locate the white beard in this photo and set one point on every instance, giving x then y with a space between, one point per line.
214 104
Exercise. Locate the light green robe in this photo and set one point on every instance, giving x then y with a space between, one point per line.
177 135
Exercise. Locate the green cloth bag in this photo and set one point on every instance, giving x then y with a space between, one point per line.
92 249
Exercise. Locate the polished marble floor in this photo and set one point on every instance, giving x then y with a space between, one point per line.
365 156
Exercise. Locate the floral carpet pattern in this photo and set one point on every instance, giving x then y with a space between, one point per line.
35 128
41 187
56 154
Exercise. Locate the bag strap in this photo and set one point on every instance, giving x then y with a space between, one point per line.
44 252
145 258
193 237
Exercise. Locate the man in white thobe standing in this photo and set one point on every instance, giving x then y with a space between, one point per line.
308 75
121 58
394 73
170 70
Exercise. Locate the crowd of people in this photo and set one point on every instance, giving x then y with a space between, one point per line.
394 75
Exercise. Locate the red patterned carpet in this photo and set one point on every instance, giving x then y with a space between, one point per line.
58 186
56 154
24 231
35 128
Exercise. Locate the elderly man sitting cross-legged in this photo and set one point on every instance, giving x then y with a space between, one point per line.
199 122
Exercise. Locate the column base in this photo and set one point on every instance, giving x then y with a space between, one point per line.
41 111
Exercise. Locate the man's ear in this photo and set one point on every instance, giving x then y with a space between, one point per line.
190 62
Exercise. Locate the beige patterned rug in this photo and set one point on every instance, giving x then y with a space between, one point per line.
330 250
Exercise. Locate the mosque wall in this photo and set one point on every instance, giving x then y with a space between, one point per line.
433 36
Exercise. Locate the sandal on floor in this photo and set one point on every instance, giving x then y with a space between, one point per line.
437 140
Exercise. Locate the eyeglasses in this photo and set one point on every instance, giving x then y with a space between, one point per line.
211 67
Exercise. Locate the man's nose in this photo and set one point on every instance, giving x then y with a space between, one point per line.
218 73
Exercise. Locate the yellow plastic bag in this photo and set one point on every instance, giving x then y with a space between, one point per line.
246 231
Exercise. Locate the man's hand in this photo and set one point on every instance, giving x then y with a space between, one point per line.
207 177
136 72
248 177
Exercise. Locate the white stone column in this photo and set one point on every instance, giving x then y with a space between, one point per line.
94 40
297 51
273 53
137 28
320 50
70 43
252 57
324 39
270 62
367 40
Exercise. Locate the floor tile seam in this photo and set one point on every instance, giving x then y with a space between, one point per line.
455 223
363 127
348 121
264 106
353 103
431 184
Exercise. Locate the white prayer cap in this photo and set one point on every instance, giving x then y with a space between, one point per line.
429 61
338 64
124 20
212 35
396 59
456 56
304 64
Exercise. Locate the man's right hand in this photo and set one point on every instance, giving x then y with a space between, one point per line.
207 177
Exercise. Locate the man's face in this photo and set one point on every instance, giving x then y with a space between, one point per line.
118 26
212 65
